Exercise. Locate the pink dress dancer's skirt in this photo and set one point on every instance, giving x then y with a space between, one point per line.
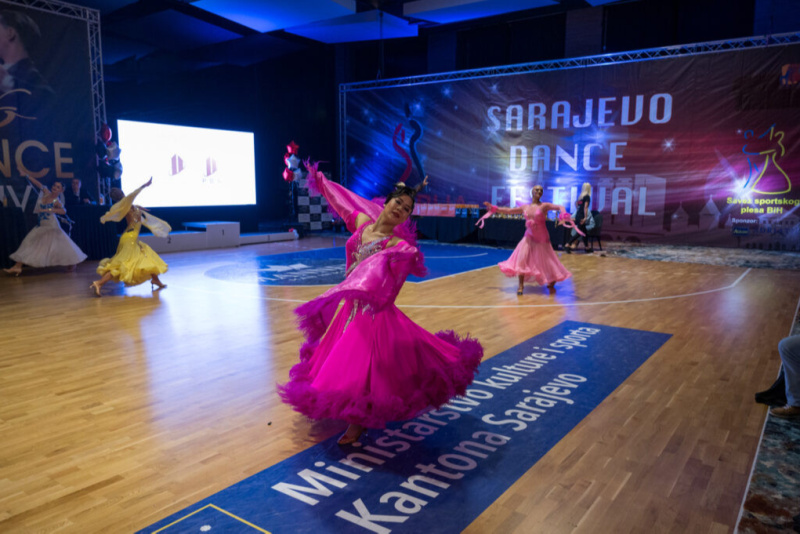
371 368
535 261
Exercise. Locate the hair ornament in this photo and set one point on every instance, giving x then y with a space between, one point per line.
400 188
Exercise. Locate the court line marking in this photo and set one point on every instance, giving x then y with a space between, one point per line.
454 257
501 306
452 275
216 508
565 304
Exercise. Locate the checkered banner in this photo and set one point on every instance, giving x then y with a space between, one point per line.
312 209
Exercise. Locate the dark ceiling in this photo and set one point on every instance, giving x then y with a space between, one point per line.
201 33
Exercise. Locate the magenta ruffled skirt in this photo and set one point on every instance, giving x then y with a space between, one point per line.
535 261
372 368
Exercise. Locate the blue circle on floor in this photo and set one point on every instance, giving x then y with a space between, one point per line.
326 267
306 268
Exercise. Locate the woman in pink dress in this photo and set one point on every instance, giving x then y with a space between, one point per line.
368 363
534 257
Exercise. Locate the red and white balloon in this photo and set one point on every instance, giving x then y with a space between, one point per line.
292 161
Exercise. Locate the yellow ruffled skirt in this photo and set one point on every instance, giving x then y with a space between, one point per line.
134 262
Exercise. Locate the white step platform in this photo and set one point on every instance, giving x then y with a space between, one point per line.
249 239
209 235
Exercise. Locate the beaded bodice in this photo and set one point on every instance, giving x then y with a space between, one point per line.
358 251
44 215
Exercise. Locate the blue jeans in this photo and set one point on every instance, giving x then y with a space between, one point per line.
789 349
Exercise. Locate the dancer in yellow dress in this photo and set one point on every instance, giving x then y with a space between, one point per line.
134 262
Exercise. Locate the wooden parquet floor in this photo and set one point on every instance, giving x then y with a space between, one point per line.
116 412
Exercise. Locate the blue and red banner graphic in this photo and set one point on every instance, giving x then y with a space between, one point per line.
700 149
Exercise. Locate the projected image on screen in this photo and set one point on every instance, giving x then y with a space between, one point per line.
190 166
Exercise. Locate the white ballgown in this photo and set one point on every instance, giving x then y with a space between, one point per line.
47 245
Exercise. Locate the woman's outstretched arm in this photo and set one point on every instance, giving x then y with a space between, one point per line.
505 211
344 202
35 182
120 209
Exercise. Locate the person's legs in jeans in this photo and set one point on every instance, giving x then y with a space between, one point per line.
789 349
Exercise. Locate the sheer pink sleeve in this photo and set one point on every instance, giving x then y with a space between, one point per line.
407 259
563 216
375 281
344 202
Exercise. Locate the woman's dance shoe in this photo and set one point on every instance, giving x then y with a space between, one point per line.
350 437
96 288
13 271
155 287
519 291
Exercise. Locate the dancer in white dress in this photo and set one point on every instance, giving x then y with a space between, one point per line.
47 245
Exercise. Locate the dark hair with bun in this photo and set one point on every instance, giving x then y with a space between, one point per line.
401 189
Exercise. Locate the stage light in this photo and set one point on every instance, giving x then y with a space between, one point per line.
740 190
599 136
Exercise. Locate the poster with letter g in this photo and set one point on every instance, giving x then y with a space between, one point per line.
46 110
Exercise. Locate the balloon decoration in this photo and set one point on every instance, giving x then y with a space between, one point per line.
109 166
105 133
292 161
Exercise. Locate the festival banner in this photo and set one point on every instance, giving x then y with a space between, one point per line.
47 124
701 149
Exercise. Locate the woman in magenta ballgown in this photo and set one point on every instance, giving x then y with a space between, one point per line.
534 257
367 363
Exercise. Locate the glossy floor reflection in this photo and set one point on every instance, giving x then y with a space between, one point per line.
119 411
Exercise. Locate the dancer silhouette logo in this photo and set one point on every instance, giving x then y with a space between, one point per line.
766 174
449 463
